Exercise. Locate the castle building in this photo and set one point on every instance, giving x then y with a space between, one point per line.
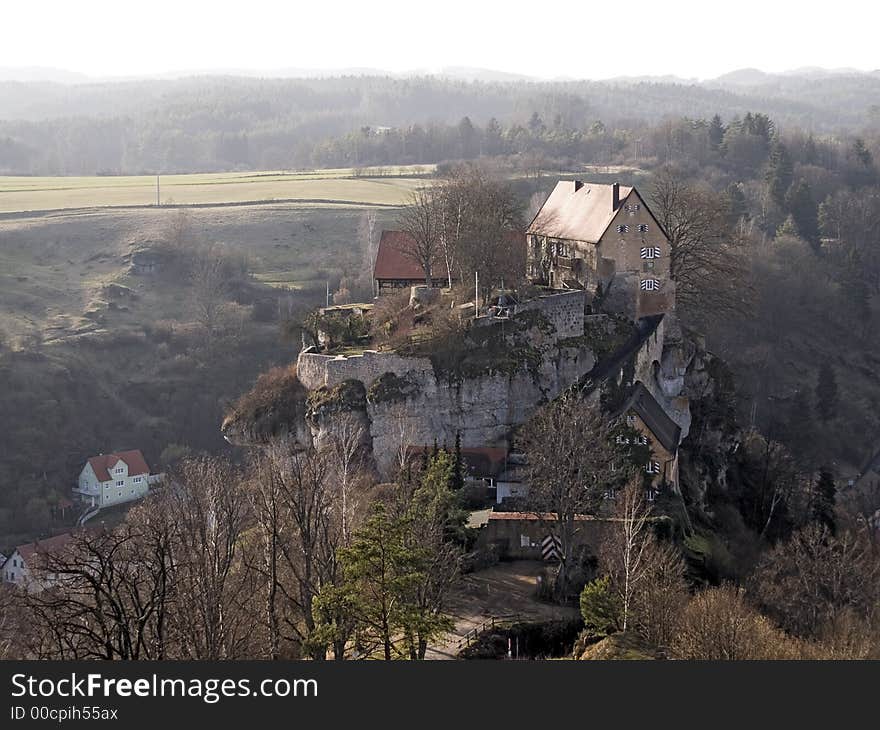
605 239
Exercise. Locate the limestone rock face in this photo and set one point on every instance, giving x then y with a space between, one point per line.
421 407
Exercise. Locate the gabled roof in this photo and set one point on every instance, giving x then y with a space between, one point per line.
395 259
133 459
578 213
665 430
49 545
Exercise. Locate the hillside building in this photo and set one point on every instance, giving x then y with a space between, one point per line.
605 239
110 479
398 268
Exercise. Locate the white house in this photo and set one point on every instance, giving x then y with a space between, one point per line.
113 478
19 568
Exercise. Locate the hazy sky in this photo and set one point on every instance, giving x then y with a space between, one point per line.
583 39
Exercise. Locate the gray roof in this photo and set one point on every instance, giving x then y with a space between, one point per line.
578 213
665 430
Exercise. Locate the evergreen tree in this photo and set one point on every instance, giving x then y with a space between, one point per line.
780 173
457 466
823 505
826 393
716 132
805 213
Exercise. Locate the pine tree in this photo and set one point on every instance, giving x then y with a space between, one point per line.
716 132
805 212
457 465
826 393
823 506
780 173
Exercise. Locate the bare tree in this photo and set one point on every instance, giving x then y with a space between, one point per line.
626 547
571 456
708 262
420 219
209 280
310 535
209 509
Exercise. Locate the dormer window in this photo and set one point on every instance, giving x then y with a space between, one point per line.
649 285
623 228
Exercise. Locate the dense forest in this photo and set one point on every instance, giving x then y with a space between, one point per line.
227 123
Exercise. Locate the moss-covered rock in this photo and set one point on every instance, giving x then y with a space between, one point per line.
349 395
392 388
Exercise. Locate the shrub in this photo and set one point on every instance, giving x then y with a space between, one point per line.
600 607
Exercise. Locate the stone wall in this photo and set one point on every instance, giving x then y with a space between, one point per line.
314 369
564 310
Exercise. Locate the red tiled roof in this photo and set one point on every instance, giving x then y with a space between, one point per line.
49 545
133 459
395 259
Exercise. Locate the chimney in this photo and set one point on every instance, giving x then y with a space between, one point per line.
615 196
578 184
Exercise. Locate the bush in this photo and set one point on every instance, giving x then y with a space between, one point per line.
600 607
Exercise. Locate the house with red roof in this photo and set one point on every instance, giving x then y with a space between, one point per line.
109 479
397 266
26 561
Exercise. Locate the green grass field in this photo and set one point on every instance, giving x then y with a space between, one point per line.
390 186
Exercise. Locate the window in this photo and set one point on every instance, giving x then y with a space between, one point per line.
630 420
650 494
649 285
622 439
648 266
120 483
650 252
643 440
118 470
632 208
137 480
643 227
652 467
525 541
623 228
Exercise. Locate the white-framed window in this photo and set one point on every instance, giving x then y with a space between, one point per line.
650 494
643 227
632 208
621 439
650 252
137 480
120 483
118 470
623 228
642 440
649 285
630 419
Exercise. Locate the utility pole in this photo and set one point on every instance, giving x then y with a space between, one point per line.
157 192
328 293
476 294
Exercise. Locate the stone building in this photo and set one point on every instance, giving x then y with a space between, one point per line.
658 432
605 239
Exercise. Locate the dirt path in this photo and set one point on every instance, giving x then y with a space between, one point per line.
505 591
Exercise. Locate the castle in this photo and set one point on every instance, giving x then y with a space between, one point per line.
605 321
